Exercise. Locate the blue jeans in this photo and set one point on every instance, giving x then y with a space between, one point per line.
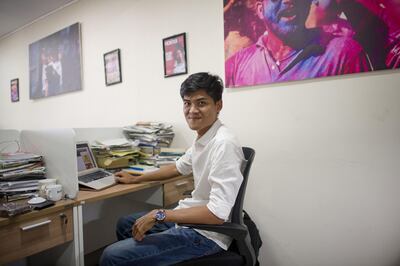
163 245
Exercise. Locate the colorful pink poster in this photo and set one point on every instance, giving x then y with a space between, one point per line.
268 41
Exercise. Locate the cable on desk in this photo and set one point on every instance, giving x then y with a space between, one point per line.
10 142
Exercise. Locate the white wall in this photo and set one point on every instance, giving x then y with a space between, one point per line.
323 188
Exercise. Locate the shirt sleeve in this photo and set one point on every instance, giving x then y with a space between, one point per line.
352 57
184 164
225 179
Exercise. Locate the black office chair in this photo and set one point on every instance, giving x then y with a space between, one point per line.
241 252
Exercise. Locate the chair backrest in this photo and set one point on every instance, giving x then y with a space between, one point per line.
245 247
237 210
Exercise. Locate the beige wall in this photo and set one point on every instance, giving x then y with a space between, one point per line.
324 186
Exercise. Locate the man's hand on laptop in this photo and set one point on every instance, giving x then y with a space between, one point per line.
126 178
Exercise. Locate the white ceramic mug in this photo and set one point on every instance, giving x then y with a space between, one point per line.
43 183
54 192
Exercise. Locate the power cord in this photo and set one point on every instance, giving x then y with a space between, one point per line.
9 143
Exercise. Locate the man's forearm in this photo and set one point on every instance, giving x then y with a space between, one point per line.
193 215
164 173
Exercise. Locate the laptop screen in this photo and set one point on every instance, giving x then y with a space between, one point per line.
85 157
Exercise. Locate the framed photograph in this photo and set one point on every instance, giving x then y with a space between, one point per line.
112 67
174 48
14 88
55 63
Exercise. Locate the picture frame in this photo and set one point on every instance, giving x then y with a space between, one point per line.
14 90
112 67
352 47
55 63
174 53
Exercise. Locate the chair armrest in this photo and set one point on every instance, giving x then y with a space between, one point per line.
236 231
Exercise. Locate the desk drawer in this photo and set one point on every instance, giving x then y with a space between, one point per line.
173 191
29 237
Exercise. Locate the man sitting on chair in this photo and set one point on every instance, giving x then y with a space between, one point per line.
215 160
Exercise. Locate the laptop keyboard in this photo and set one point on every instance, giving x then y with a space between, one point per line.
93 176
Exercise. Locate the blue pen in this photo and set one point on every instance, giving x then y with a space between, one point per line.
136 168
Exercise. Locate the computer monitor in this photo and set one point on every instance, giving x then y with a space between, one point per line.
84 155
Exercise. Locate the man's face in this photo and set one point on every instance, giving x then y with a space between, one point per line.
284 17
200 111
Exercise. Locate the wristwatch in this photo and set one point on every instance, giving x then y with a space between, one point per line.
160 216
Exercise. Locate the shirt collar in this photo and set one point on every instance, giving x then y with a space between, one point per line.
207 137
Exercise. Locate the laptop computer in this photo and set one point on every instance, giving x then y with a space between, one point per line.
89 175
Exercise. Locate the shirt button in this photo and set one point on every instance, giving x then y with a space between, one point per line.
273 67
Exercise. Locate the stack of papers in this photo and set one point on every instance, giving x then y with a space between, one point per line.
21 166
19 174
169 156
13 208
8 160
18 185
115 153
152 134
115 144
19 189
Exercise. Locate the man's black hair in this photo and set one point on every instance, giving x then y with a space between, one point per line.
212 84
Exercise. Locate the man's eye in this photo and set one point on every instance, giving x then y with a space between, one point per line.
186 104
202 103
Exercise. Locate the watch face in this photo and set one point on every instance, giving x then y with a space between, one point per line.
160 215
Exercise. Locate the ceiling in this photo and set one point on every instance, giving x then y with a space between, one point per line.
16 14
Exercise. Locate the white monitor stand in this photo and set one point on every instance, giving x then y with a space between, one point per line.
59 150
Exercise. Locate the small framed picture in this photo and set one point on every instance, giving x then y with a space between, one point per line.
112 67
174 48
14 88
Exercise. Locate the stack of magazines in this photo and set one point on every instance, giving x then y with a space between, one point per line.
169 156
153 134
154 140
19 174
150 136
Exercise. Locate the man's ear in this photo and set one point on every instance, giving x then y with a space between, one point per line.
260 10
219 106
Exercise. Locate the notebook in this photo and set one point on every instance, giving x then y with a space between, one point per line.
89 175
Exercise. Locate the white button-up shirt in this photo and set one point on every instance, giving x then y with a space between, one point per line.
215 161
